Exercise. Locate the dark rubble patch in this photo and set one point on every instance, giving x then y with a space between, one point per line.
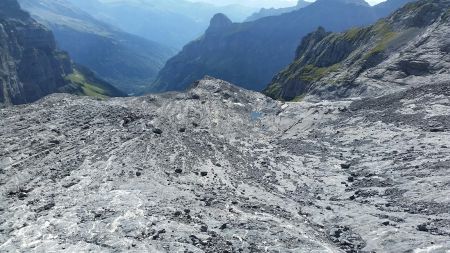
384 108
346 239
397 202
263 208
424 207
436 227
373 182
301 147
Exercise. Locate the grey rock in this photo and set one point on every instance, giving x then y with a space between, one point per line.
157 131
407 48
278 189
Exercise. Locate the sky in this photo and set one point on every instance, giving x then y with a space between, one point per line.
266 3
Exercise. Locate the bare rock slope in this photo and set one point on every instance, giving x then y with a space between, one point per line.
221 169
409 47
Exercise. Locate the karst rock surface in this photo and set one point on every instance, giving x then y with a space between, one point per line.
222 169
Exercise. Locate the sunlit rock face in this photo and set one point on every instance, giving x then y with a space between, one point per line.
407 48
31 65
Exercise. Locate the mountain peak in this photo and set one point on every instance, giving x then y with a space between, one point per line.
310 40
218 22
11 9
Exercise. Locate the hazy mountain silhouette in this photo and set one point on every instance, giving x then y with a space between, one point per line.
266 12
170 22
249 54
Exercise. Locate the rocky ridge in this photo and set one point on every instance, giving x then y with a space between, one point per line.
222 169
409 47
250 54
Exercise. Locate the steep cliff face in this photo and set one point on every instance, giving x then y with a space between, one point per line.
407 48
11 9
127 61
249 54
30 65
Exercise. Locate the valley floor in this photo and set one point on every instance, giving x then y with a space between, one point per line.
220 169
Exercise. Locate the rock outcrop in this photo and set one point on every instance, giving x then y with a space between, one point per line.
221 169
218 23
31 67
407 48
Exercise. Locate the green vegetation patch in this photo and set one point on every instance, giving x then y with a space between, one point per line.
311 73
412 6
446 15
354 34
299 98
86 88
273 90
61 56
308 74
386 35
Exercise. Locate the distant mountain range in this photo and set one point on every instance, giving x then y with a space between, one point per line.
172 23
31 67
276 11
249 54
410 47
127 61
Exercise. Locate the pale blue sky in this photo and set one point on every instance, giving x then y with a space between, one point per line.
265 3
